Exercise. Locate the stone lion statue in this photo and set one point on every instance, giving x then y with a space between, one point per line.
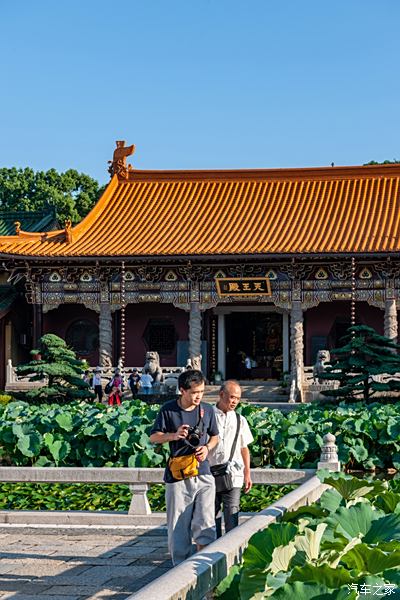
152 366
323 357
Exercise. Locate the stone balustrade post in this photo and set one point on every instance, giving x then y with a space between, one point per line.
139 503
329 457
10 372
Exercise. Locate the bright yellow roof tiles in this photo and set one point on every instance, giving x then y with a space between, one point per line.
282 211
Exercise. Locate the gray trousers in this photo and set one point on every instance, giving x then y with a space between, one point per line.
190 515
230 502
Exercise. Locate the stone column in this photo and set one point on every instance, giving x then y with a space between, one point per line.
296 337
221 345
390 324
37 324
285 341
195 335
105 335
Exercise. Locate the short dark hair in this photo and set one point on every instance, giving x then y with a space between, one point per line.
186 379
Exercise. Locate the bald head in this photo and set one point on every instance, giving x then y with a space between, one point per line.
229 395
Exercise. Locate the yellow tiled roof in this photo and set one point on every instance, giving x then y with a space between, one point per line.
170 213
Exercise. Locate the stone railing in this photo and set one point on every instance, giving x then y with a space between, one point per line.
200 574
139 479
14 381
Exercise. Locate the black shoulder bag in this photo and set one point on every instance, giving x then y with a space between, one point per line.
223 479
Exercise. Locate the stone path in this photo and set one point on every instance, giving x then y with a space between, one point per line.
67 564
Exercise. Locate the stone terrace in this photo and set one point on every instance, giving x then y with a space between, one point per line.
77 564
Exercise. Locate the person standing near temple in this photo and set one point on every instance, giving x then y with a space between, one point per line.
247 366
190 428
96 384
233 432
146 383
133 381
117 387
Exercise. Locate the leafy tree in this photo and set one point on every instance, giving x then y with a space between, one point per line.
60 369
385 162
357 364
72 193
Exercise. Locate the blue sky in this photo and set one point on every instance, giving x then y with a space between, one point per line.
199 84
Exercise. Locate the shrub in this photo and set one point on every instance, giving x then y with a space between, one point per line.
61 371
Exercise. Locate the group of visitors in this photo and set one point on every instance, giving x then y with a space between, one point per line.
138 382
209 463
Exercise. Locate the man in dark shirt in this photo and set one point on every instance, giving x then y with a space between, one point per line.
190 501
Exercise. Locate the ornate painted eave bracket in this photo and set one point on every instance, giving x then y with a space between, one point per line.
118 165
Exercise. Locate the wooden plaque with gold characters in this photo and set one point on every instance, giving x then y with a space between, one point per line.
243 286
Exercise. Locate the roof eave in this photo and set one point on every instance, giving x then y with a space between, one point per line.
283 256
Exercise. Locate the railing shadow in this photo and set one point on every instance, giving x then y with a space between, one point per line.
74 566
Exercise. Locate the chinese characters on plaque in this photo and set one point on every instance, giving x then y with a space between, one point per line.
243 286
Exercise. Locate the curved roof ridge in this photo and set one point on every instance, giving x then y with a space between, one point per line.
248 212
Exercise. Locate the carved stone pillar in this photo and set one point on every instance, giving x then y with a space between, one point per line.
105 335
296 337
195 335
390 325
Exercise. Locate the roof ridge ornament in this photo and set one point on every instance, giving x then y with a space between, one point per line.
118 165
68 231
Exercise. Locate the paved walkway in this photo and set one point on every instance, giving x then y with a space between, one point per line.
56 564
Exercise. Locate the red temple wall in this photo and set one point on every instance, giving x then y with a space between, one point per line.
320 321
137 317
58 321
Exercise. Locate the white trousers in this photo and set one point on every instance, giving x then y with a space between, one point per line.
190 515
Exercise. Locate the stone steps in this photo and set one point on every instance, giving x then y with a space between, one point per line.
259 392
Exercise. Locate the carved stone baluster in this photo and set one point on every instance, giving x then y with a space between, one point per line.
329 456
390 326
195 335
296 350
105 335
296 336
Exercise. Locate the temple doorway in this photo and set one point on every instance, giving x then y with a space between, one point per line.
258 335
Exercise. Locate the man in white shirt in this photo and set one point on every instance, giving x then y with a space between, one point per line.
247 366
229 397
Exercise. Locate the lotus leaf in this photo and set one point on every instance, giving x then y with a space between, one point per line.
367 560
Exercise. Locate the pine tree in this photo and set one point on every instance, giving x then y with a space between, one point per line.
61 371
357 365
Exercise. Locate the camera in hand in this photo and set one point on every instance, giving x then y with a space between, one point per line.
193 437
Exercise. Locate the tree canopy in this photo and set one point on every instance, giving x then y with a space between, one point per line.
384 162
367 363
61 371
73 194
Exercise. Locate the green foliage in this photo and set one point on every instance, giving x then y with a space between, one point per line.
73 194
60 369
364 355
367 437
321 553
283 441
80 434
385 162
56 496
5 398
261 496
